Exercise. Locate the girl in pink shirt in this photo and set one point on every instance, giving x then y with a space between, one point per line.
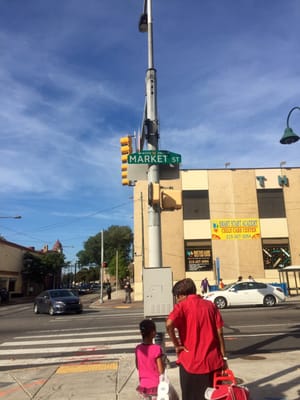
149 361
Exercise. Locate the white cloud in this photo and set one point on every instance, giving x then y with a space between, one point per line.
72 83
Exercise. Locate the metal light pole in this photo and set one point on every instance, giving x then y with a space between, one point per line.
152 136
101 269
151 123
117 270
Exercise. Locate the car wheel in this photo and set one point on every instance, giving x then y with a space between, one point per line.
51 310
269 301
220 302
36 309
79 312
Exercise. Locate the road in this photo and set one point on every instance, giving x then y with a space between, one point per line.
27 339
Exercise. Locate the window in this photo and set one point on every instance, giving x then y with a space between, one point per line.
257 285
198 255
11 285
241 286
276 253
250 286
195 204
270 203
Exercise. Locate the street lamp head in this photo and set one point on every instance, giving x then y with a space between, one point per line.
143 23
289 136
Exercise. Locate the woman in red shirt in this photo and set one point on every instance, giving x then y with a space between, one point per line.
200 347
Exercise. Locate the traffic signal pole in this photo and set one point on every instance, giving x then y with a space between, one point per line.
101 270
152 136
151 122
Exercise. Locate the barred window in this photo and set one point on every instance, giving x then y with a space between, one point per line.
195 204
270 203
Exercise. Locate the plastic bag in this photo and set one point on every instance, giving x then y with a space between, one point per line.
165 390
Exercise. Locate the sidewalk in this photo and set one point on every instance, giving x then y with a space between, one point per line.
268 376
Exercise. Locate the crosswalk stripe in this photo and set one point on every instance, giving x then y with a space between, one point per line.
73 340
60 360
93 333
92 346
68 349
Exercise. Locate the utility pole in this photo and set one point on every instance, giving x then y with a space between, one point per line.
101 269
150 130
117 270
151 123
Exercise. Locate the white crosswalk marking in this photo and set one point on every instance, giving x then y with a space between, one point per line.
65 347
62 341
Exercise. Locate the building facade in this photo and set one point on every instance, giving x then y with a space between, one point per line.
12 264
233 222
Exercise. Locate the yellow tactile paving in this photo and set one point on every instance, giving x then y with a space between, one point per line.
71 369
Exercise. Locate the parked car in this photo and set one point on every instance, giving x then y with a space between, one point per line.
247 293
84 288
57 301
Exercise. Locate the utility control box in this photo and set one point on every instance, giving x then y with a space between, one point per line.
158 297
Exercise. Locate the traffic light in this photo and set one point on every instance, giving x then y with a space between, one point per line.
171 199
126 148
153 194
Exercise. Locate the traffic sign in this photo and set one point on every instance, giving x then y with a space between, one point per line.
154 157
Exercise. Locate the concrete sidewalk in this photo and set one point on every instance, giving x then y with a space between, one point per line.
268 376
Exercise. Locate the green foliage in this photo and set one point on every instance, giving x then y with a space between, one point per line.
82 275
115 239
33 270
37 267
53 262
118 261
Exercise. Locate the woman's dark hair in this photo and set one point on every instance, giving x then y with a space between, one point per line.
184 287
147 326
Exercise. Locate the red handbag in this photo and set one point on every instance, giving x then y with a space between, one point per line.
226 387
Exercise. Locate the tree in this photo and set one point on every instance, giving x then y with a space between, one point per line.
115 238
33 271
43 268
53 262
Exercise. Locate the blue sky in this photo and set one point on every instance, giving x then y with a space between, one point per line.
72 78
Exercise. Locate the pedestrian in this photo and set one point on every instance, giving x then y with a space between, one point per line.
200 347
251 279
204 286
128 290
149 361
221 284
240 278
108 290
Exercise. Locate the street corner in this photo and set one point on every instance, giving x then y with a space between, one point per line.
97 378
16 384
127 376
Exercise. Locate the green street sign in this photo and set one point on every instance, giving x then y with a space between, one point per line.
154 157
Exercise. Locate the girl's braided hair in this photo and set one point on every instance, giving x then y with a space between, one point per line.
146 327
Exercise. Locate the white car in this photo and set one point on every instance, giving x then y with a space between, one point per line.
246 294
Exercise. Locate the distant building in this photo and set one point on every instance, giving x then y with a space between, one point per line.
11 264
232 222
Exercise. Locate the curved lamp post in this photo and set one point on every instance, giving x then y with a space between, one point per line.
289 135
